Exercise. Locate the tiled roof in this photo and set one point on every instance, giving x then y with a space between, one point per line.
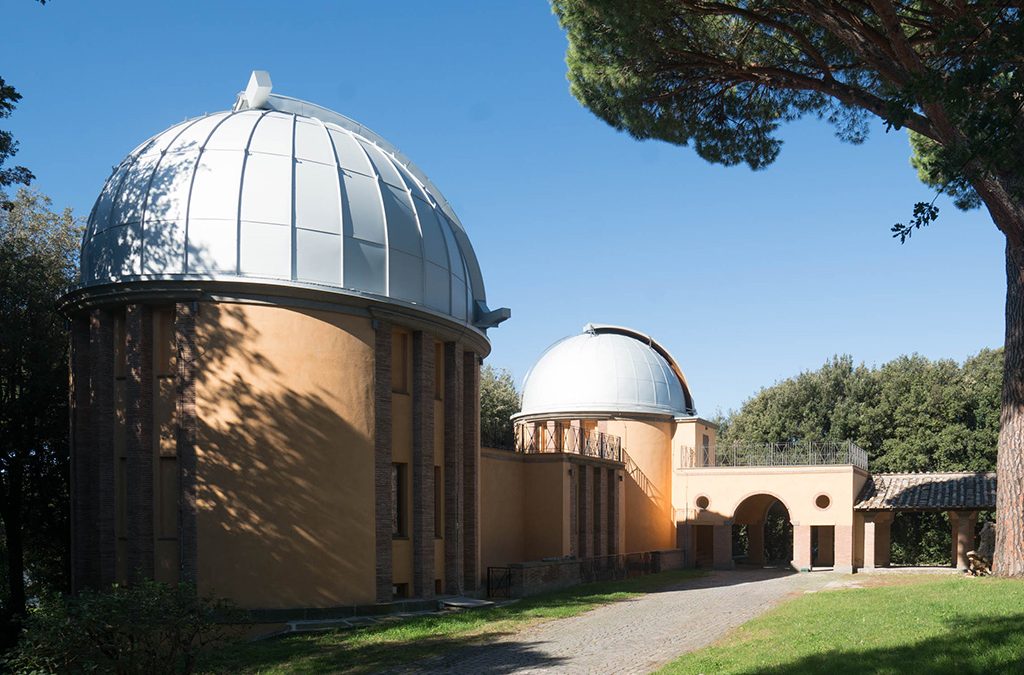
927 492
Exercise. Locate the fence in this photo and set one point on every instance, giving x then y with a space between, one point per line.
543 437
794 453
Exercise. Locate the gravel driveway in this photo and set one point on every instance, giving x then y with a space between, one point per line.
638 635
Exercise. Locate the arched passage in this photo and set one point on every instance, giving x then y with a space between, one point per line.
763 531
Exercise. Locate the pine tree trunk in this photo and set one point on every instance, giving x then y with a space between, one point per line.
1009 553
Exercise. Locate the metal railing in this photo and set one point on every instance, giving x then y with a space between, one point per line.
499 582
791 453
553 437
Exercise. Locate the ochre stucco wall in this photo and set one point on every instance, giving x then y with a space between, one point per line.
649 523
284 401
795 487
501 504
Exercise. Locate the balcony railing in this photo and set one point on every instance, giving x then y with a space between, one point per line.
558 437
794 453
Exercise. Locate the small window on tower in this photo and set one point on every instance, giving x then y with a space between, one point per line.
399 485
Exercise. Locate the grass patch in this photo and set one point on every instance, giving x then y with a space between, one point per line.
949 625
371 649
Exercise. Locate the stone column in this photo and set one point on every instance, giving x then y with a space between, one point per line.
453 459
471 469
755 543
722 551
185 388
842 560
83 481
963 525
883 538
870 540
574 510
601 506
102 550
139 441
422 465
801 548
382 498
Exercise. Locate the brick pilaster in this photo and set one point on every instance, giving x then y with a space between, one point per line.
574 511
613 512
139 441
601 512
382 460
102 549
83 482
422 464
471 469
453 470
185 389
586 497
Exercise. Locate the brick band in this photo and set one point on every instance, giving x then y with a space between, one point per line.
83 482
453 460
471 470
422 465
185 344
139 441
382 460
101 551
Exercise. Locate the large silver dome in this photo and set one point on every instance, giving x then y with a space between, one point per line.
606 370
283 190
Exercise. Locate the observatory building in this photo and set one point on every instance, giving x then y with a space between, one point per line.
275 369
276 348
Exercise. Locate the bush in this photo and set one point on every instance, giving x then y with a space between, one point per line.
147 627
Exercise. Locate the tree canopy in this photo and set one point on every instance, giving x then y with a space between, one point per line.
38 262
499 400
723 76
910 414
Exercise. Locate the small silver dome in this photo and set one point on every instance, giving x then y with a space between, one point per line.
607 370
289 192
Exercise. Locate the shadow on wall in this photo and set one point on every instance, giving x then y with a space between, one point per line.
285 483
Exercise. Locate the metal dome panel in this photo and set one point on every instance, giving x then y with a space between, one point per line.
292 193
606 370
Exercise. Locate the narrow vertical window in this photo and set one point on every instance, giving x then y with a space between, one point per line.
400 362
438 504
398 500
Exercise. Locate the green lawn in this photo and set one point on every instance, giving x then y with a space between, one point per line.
371 649
948 625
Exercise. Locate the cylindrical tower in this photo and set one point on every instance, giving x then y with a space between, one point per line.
275 364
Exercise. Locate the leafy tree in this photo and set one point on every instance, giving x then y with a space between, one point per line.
499 400
8 146
38 261
724 75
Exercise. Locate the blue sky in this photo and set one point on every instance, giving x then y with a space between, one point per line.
747 277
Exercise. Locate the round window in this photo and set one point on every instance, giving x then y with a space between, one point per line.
703 502
822 501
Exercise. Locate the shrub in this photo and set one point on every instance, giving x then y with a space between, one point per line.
147 627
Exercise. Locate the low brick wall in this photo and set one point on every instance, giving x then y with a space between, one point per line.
670 559
531 578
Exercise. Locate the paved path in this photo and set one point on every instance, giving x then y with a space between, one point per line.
638 635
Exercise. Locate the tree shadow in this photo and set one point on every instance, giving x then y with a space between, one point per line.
972 645
285 457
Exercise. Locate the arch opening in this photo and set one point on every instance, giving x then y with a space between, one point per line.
762 532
